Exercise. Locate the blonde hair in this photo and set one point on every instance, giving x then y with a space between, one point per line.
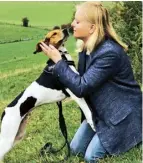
96 14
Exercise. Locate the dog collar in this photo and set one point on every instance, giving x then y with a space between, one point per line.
71 63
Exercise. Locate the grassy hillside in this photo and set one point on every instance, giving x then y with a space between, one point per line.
11 33
19 67
39 13
46 14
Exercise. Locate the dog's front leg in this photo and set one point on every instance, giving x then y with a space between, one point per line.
9 127
12 117
84 107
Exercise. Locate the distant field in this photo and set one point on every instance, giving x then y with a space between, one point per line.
39 13
19 67
46 14
20 55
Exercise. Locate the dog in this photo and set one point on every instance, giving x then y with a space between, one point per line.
43 90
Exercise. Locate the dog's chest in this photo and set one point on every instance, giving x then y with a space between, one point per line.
46 79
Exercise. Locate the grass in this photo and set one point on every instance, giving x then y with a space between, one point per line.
19 33
19 55
19 67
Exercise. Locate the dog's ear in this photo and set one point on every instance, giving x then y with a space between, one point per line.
68 27
63 26
56 27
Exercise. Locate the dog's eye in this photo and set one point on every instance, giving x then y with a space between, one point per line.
54 34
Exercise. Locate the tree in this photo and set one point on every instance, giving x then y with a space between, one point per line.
25 21
127 20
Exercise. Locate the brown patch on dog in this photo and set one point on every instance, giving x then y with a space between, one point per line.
21 131
54 37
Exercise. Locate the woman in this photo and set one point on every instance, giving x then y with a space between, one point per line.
106 81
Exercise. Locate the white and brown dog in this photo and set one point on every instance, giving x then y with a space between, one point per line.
44 90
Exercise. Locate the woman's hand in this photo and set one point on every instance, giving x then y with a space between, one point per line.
51 52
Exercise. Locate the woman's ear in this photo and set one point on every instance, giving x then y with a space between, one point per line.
92 28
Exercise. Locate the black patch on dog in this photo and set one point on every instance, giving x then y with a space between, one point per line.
3 114
48 80
28 104
14 102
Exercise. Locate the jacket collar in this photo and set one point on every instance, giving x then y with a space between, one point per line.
83 64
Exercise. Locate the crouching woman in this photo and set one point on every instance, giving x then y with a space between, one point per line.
107 83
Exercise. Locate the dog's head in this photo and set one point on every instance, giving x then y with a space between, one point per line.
56 37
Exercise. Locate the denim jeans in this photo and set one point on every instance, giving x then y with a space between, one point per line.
87 143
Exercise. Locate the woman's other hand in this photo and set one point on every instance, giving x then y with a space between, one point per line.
51 52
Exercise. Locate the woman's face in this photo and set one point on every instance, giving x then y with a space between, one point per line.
81 27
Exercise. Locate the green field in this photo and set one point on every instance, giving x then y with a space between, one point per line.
39 13
19 67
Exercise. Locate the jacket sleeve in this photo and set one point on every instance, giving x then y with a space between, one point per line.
100 70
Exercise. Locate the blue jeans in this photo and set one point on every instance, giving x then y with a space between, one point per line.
87 143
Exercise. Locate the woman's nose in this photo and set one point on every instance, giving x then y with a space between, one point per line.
72 24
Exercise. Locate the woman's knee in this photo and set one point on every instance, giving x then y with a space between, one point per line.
81 139
95 150
89 158
75 148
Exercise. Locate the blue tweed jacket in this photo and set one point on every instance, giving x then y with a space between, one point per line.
113 94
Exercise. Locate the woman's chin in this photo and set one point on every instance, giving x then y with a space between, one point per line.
76 36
